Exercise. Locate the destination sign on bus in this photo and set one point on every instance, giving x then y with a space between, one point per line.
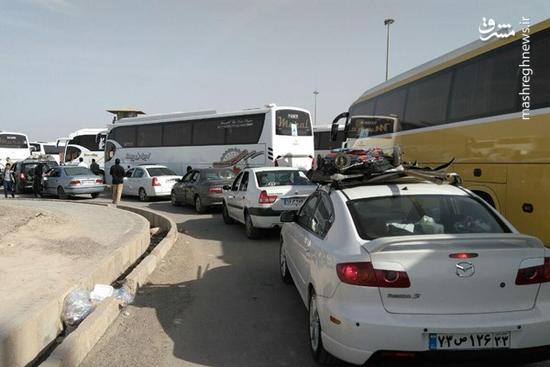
363 127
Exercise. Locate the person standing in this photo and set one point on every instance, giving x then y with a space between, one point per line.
37 180
117 174
94 167
81 163
9 180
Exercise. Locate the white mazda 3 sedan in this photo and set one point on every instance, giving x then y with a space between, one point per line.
412 269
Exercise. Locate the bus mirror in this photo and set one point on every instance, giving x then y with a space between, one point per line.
33 149
334 127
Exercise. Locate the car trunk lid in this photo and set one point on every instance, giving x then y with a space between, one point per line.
481 280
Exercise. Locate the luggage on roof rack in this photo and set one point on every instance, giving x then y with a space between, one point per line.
345 167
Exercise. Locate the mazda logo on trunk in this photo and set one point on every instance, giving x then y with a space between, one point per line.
465 269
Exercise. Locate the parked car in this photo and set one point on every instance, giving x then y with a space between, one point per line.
149 181
413 269
65 181
24 172
258 196
202 188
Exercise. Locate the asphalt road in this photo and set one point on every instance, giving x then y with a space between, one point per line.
216 300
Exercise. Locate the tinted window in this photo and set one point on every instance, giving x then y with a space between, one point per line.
77 171
177 133
322 218
160 171
214 175
427 102
244 182
293 123
391 103
305 215
72 153
235 184
281 178
242 129
13 141
51 149
540 64
124 135
323 142
208 132
486 85
138 173
149 135
86 141
365 108
422 214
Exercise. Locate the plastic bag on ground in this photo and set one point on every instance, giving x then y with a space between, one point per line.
100 292
76 306
123 295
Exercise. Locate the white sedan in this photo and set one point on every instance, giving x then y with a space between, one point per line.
258 196
413 270
149 181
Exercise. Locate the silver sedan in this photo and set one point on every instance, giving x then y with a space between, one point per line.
65 181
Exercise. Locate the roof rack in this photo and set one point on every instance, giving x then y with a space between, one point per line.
344 168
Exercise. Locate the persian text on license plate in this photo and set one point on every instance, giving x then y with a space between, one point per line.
293 202
470 341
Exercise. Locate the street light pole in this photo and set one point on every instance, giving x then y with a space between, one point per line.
315 93
387 23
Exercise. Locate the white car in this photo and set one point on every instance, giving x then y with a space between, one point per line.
258 196
149 181
414 269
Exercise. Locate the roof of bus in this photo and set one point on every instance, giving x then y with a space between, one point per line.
87 131
176 116
468 51
12 132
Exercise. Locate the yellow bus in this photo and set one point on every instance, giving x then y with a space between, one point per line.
487 105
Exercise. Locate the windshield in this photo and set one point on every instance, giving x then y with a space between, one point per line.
282 178
423 214
215 175
363 127
160 171
78 171
86 141
13 141
292 123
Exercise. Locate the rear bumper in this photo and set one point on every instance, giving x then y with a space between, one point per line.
265 217
368 331
84 190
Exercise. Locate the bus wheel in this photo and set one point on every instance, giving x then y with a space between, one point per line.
143 195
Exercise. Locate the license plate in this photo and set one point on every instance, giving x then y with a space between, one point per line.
88 182
293 202
498 340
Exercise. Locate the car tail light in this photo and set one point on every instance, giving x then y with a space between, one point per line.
364 274
22 176
215 190
99 181
265 198
534 274
74 183
463 255
155 181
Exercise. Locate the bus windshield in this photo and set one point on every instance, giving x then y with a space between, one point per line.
365 126
86 141
13 141
292 123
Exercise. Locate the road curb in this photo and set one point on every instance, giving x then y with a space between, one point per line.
72 351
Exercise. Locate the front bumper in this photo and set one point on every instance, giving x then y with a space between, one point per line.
367 330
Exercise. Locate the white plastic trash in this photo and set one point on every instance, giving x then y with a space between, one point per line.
100 292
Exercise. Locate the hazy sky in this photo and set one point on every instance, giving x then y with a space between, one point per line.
63 62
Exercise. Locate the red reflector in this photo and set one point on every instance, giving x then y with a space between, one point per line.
217 190
399 354
463 255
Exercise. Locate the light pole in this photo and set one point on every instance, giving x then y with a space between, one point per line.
387 23
315 93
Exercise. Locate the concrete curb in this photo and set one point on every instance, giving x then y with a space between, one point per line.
72 351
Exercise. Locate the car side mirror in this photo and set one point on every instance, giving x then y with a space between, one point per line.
288 216
226 187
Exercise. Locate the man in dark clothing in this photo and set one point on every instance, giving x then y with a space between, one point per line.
117 174
94 167
37 180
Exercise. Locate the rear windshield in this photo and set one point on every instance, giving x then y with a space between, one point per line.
423 214
160 171
216 175
13 141
281 178
78 171
292 123
28 168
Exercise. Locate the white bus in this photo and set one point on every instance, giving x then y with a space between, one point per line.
323 142
269 136
84 143
42 148
13 147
